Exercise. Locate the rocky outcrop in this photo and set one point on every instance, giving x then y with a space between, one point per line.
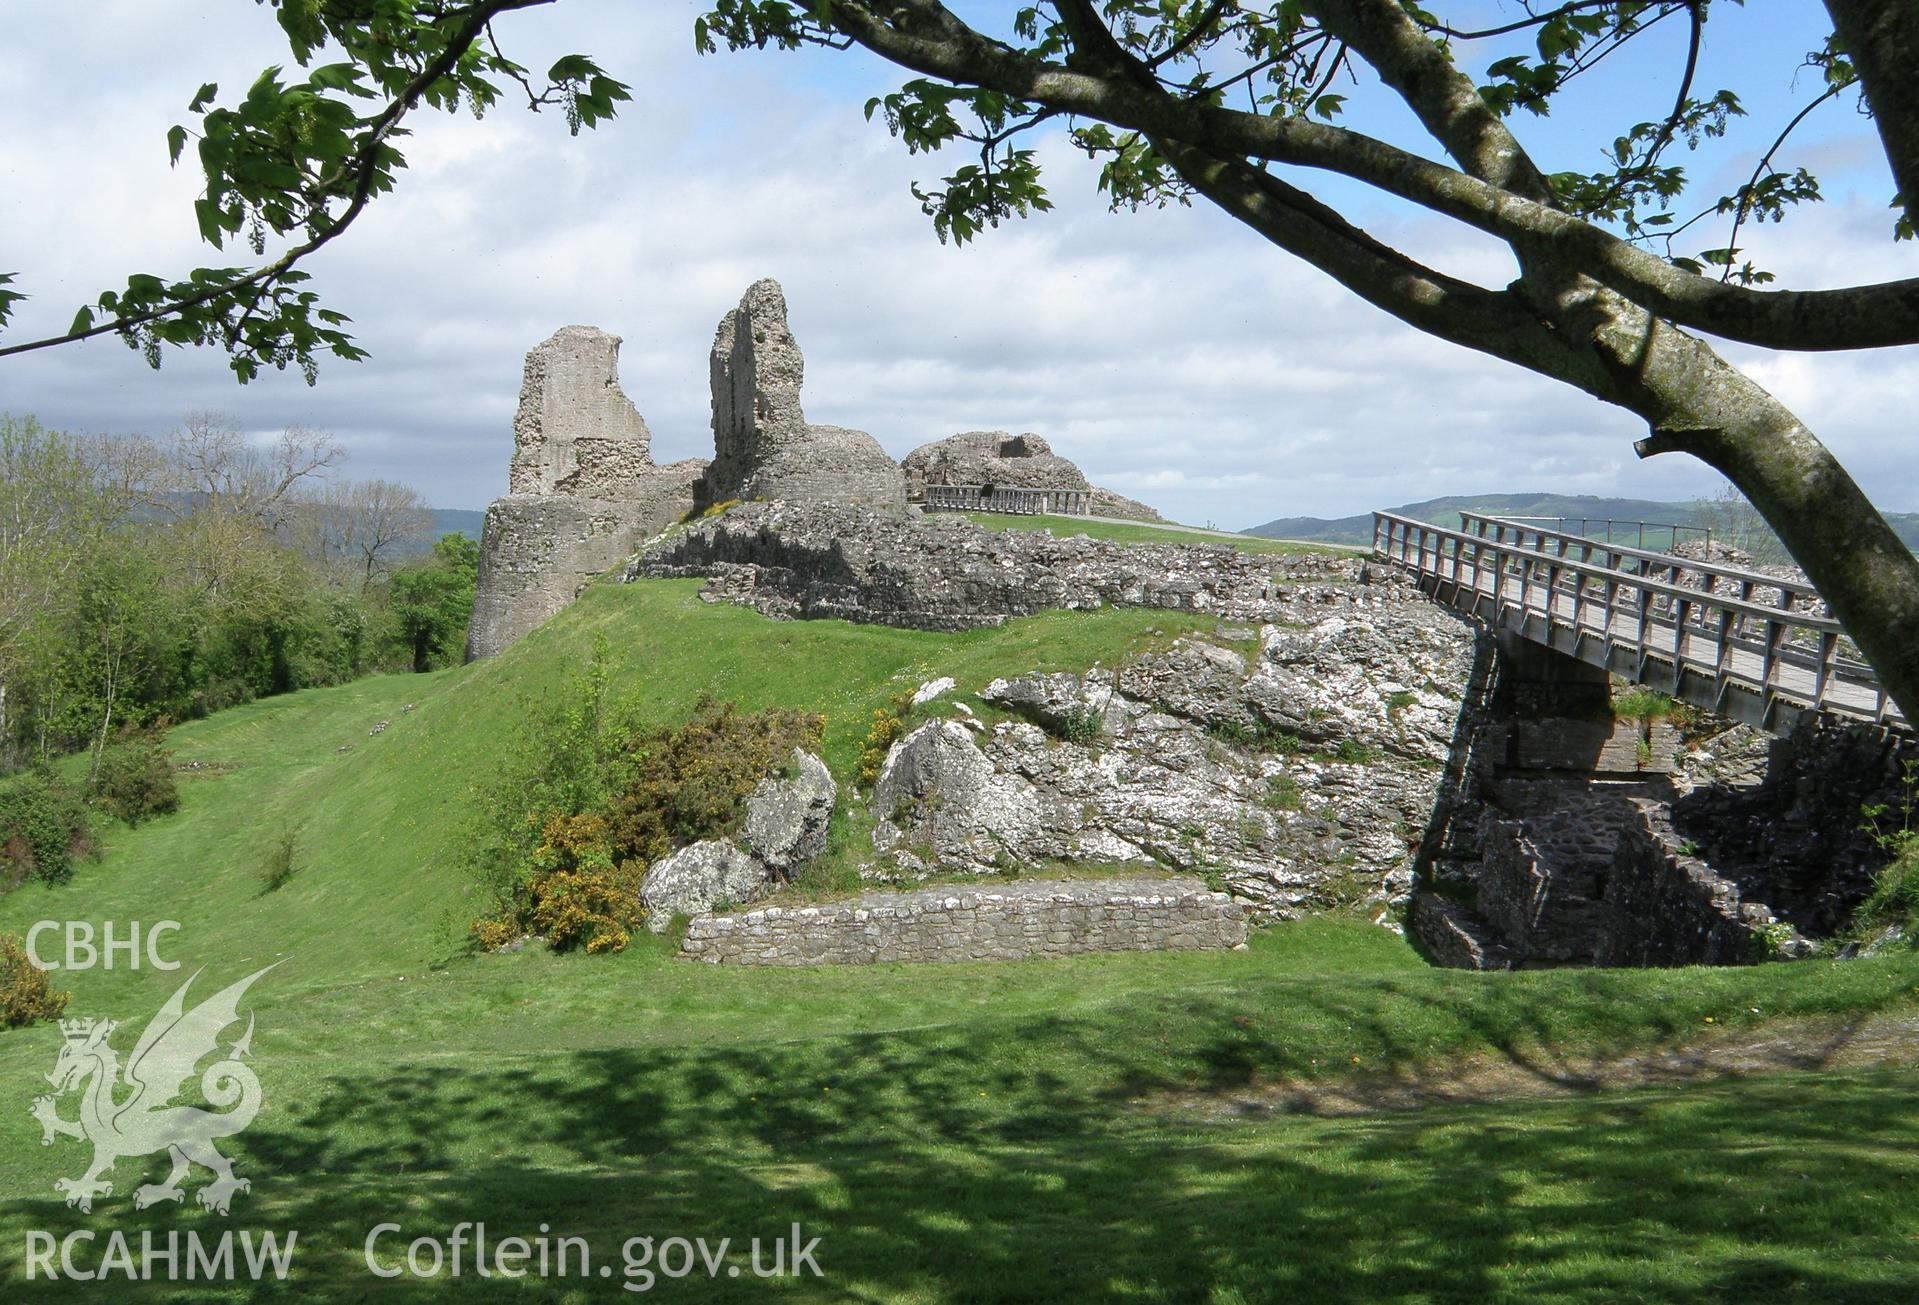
1017 921
763 446
699 878
785 826
812 560
1294 776
583 490
787 817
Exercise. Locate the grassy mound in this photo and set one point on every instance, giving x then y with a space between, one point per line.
377 821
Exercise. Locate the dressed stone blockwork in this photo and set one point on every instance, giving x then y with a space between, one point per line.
1015 921
583 490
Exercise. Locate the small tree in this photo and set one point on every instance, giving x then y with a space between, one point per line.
432 601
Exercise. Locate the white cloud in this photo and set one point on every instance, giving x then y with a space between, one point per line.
1175 355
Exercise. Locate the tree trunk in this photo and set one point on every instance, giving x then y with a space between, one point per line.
1882 36
1698 403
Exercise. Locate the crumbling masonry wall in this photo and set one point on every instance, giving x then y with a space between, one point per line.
583 490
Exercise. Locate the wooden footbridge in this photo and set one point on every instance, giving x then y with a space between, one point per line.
1750 646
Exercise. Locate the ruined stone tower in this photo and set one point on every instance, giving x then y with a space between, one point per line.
763 446
582 491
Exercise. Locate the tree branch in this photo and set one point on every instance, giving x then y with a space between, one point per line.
1490 321
363 168
927 38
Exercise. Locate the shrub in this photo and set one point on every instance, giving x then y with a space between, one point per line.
889 722
1894 899
690 782
25 994
587 802
1082 725
1643 705
577 894
43 828
134 781
280 862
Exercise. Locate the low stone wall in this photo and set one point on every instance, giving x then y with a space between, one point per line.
1022 919
813 560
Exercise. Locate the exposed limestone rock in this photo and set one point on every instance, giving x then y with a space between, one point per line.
763 446
939 799
583 489
1181 760
809 560
786 818
932 689
700 878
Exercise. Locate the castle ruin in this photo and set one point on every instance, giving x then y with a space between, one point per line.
584 493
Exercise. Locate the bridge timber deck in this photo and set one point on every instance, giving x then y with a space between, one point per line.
1753 647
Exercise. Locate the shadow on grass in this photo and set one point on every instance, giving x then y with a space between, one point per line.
1012 1162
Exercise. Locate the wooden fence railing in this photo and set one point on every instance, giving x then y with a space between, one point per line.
1739 642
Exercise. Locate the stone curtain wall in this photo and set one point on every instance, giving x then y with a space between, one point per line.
1019 920
1666 906
814 560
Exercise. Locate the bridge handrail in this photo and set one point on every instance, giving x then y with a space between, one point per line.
1756 578
1565 523
1631 579
1459 559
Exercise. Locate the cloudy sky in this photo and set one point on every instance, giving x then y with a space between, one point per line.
1177 357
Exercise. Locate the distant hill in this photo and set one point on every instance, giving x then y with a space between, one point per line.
1575 508
465 520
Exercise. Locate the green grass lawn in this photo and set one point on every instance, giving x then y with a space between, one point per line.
951 1133
1127 533
994 1132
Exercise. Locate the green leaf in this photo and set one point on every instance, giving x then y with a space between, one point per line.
82 322
207 213
203 97
176 142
